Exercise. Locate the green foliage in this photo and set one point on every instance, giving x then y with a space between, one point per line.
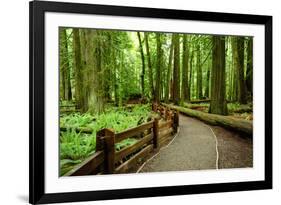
74 147
233 106
76 120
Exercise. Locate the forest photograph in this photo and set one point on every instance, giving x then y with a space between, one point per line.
145 101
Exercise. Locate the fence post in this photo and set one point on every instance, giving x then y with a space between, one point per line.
154 107
155 132
109 151
99 140
176 121
105 140
166 114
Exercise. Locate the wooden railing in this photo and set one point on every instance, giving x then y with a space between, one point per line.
151 136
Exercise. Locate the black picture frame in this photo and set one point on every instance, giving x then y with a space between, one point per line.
37 11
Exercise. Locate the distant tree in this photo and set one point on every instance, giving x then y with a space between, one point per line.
66 93
168 76
191 79
78 70
207 87
143 64
185 81
249 72
158 67
199 72
234 86
150 71
238 53
176 73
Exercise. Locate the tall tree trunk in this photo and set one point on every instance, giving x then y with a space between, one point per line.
65 68
176 73
62 65
191 79
86 73
207 88
185 82
115 80
93 65
239 57
249 72
143 65
150 73
218 103
120 83
78 70
158 67
230 74
168 76
107 64
234 69
199 73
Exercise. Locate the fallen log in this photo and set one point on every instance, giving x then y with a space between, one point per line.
241 125
200 101
86 130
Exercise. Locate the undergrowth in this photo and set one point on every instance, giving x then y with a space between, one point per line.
74 147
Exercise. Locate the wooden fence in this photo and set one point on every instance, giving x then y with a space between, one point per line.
151 136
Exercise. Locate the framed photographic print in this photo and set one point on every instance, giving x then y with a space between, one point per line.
141 102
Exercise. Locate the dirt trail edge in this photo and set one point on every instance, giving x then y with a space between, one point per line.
194 148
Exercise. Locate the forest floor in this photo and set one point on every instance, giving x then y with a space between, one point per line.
194 148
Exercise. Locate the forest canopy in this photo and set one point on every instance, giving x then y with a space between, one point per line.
108 66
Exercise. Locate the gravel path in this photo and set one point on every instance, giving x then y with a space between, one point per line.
194 148
235 150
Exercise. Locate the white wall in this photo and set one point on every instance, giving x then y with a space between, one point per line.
14 99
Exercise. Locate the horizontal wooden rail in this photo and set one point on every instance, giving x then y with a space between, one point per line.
157 132
165 133
88 165
133 131
132 148
164 140
165 124
134 160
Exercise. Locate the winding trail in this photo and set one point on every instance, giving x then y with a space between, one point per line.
198 147
193 149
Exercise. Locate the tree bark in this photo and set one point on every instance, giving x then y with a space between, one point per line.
185 81
191 79
158 67
234 69
199 73
207 88
168 77
64 66
95 103
239 66
143 65
241 85
176 82
78 70
249 72
150 71
218 103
